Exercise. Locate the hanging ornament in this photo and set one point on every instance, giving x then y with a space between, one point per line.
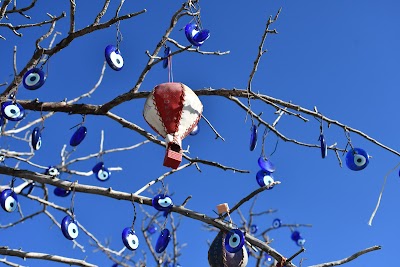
172 110
162 202
114 57
61 192
129 237
34 79
276 223
167 57
13 111
324 148
296 237
253 137
264 178
36 138
78 136
195 130
8 200
357 159
53 171
101 172
195 35
151 229
219 256
69 225
163 240
234 241
253 229
265 164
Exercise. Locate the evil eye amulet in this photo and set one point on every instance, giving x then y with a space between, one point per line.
253 137
234 241
300 242
264 178
357 159
69 228
61 192
162 202
12 111
266 164
253 229
167 53
295 236
276 223
114 58
33 79
195 36
324 148
130 239
163 240
53 171
78 136
36 138
8 200
151 229
101 172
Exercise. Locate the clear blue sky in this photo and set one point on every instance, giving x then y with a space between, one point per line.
340 56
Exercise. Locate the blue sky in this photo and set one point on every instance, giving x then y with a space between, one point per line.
340 56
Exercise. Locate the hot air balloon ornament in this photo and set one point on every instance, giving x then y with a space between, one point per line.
173 111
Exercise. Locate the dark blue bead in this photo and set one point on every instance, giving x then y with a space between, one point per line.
78 136
36 138
234 240
114 58
162 202
324 148
253 229
12 111
101 172
8 200
151 229
264 178
61 192
201 36
33 79
196 36
163 240
266 164
195 130
167 52
130 239
253 137
357 159
69 228
276 223
295 236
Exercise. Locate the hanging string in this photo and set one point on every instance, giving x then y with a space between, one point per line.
12 183
119 34
71 208
170 73
134 213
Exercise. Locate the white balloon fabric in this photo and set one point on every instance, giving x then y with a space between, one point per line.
173 111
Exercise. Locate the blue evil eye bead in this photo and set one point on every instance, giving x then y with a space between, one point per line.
324 148
33 79
300 242
295 236
234 240
269 260
101 172
8 200
276 223
114 58
163 240
130 239
53 171
162 202
12 111
253 229
69 228
253 137
195 36
151 229
195 130
264 178
167 53
357 159
115 265
61 192
78 136
36 138
266 164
